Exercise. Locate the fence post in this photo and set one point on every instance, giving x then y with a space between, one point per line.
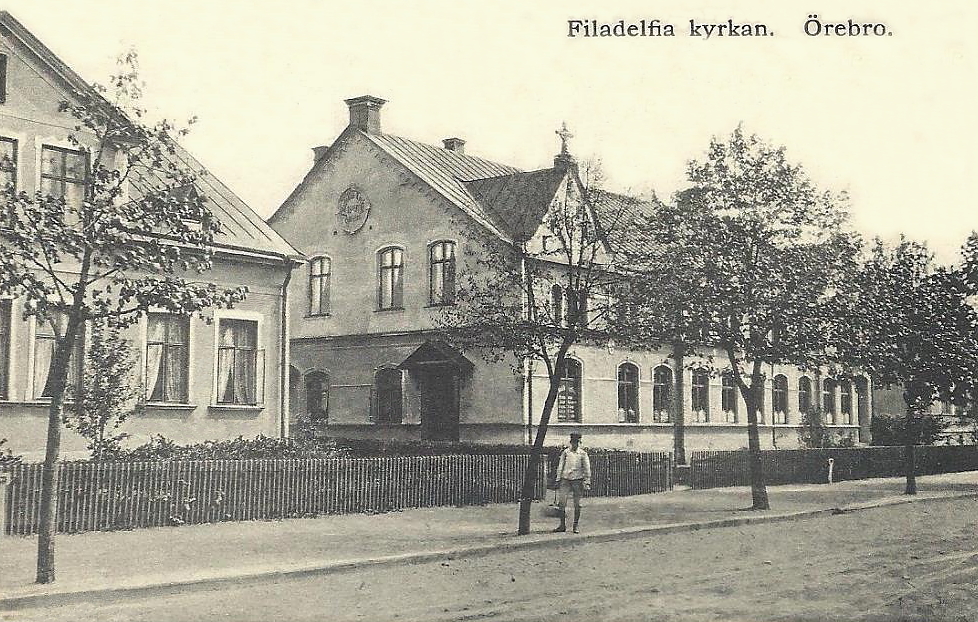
4 482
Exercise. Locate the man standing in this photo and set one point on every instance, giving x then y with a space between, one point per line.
574 477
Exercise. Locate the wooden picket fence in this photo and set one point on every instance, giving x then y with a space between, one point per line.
712 469
618 474
128 495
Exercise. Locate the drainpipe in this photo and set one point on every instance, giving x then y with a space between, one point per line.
284 352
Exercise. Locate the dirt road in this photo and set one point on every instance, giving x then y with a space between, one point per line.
907 562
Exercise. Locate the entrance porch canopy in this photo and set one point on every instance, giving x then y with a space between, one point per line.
434 352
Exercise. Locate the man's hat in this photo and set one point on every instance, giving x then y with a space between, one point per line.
576 435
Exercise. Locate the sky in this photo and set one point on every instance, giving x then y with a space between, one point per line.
889 119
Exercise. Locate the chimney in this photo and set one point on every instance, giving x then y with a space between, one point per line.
319 152
454 144
365 113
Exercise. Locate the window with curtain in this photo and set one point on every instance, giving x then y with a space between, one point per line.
390 294
45 340
167 357
569 391
805 395
728 397
320 270
5 313
661 394
845 401
8 163
64 173
779 398
700 389
441 273
390 403
240 363
628 393
828 399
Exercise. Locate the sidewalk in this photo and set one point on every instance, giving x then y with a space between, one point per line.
175 558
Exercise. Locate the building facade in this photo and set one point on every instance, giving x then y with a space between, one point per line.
386 223
202 380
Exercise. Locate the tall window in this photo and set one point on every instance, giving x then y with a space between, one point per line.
569 391
661 394
320 269
805 395
701 395
628 393
779 399
391 288
167 362
828 399
8 163
63 173
557 303
45 341
5 305
728 397
389 398
441 273
845 401
240 364
3 78
317 396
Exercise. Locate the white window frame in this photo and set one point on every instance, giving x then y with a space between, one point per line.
260 383
144 340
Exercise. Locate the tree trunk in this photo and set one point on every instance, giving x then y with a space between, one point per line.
678 413
49 480
910 454
758 489
49 491
529 478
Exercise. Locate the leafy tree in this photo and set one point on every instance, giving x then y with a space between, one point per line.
745 263
537 295
108 394
913 324
138 238
889 429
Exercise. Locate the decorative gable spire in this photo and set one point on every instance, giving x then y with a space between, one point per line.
564 160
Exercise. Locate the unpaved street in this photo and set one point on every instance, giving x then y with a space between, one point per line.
906 562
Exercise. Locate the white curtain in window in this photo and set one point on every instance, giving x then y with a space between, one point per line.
43 353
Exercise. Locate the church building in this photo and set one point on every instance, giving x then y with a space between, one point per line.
385 223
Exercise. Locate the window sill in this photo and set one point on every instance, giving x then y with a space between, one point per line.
170 406
315 315
239 407
439 305
390 424
389 310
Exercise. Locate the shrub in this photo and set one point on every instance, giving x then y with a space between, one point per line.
162 448
890 429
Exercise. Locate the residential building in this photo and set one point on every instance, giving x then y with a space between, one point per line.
202 380
387 222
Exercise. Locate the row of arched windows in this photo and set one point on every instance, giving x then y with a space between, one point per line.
390 278
663 387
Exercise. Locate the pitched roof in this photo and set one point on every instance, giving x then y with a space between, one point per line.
445 171
519 200
241 228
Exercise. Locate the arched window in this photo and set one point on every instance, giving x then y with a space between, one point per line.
779 399
828 399
728 397
845 401
557 304
701 395
320 269
387 386
661 394
390 290
569 391
805 395
317 396
441 273
628 393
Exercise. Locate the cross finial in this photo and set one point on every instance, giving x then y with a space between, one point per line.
565 135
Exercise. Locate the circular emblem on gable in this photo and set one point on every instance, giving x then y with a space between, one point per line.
353 210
